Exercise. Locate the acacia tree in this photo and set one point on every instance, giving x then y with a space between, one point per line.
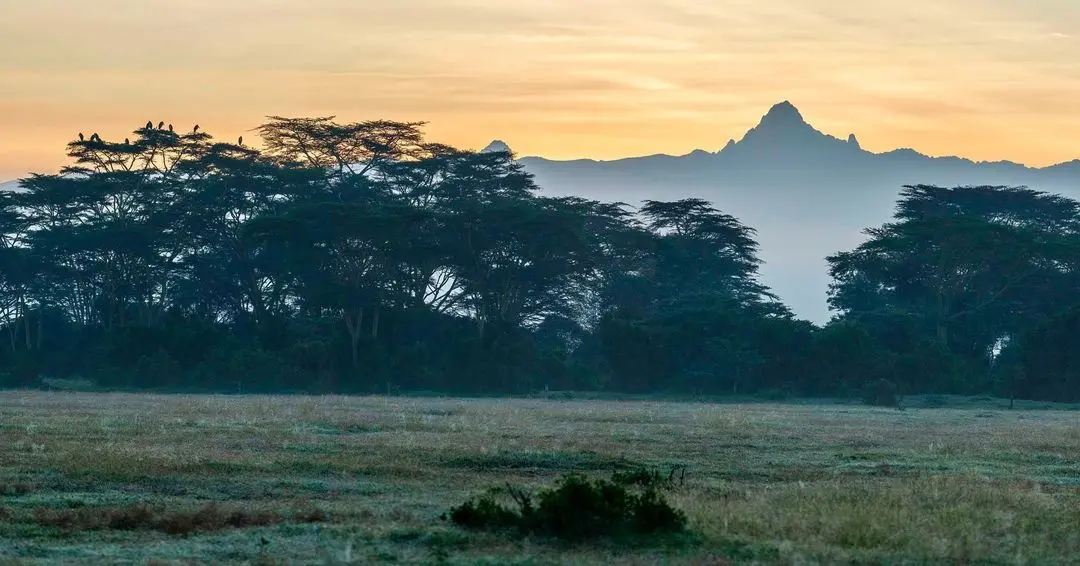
962 268
681 311
17 272
345 249
702 250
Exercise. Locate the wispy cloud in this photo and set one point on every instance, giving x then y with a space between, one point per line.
600 78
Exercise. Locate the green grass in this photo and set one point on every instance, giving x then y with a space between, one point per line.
948 481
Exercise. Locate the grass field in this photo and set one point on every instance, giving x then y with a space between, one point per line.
334 480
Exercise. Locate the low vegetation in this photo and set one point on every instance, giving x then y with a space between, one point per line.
881 393
578 508
93 478
209 518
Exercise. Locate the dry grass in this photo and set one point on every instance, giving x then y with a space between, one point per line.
210 518
767 483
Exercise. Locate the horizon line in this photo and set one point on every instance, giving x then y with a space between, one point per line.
1004 161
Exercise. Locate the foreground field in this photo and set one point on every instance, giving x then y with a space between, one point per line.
334 480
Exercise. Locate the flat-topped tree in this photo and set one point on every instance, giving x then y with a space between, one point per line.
963 268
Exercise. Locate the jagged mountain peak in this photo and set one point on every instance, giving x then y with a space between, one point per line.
782 122
496 146
783 129
782 114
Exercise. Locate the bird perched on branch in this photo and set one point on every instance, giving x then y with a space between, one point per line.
149 125
82 137
170 127
240 141
127 141
195 130
95 137
161 124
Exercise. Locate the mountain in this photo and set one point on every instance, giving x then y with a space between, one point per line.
807 193
497 146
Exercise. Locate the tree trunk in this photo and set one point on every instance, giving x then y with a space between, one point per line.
354 333
375 323
257 305
943 335
26 329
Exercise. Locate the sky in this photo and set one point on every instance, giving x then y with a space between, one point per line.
985 79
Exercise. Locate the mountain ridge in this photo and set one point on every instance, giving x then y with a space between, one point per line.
784 111
808 194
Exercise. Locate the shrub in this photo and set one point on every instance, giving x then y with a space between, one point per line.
881 393
484 513
67 384
934 402
578 508
157 370
774 394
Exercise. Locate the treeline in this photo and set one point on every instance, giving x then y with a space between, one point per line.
360 258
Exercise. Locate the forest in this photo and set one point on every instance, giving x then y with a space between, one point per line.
361 257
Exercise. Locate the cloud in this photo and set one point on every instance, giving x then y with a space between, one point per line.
596 78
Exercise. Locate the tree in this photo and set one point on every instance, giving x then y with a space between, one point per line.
960 269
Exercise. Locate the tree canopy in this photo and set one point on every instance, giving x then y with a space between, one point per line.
360 257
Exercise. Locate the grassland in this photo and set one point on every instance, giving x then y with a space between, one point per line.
106 478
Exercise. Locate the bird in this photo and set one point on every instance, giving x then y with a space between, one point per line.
82 137
240 141
170 127
149 125
95 137
161 124
127 141
195 129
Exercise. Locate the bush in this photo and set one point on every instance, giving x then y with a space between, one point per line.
67 384
484 513
934 402
774 394
881 393
578 508
157 370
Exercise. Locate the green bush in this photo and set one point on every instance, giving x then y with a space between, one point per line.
881 393
774 394
157 370
484 513
578 508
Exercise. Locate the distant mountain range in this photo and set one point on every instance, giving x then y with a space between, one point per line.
807 193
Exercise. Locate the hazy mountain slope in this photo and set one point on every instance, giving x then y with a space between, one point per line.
807 193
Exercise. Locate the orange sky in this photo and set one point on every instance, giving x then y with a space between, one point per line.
987 79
